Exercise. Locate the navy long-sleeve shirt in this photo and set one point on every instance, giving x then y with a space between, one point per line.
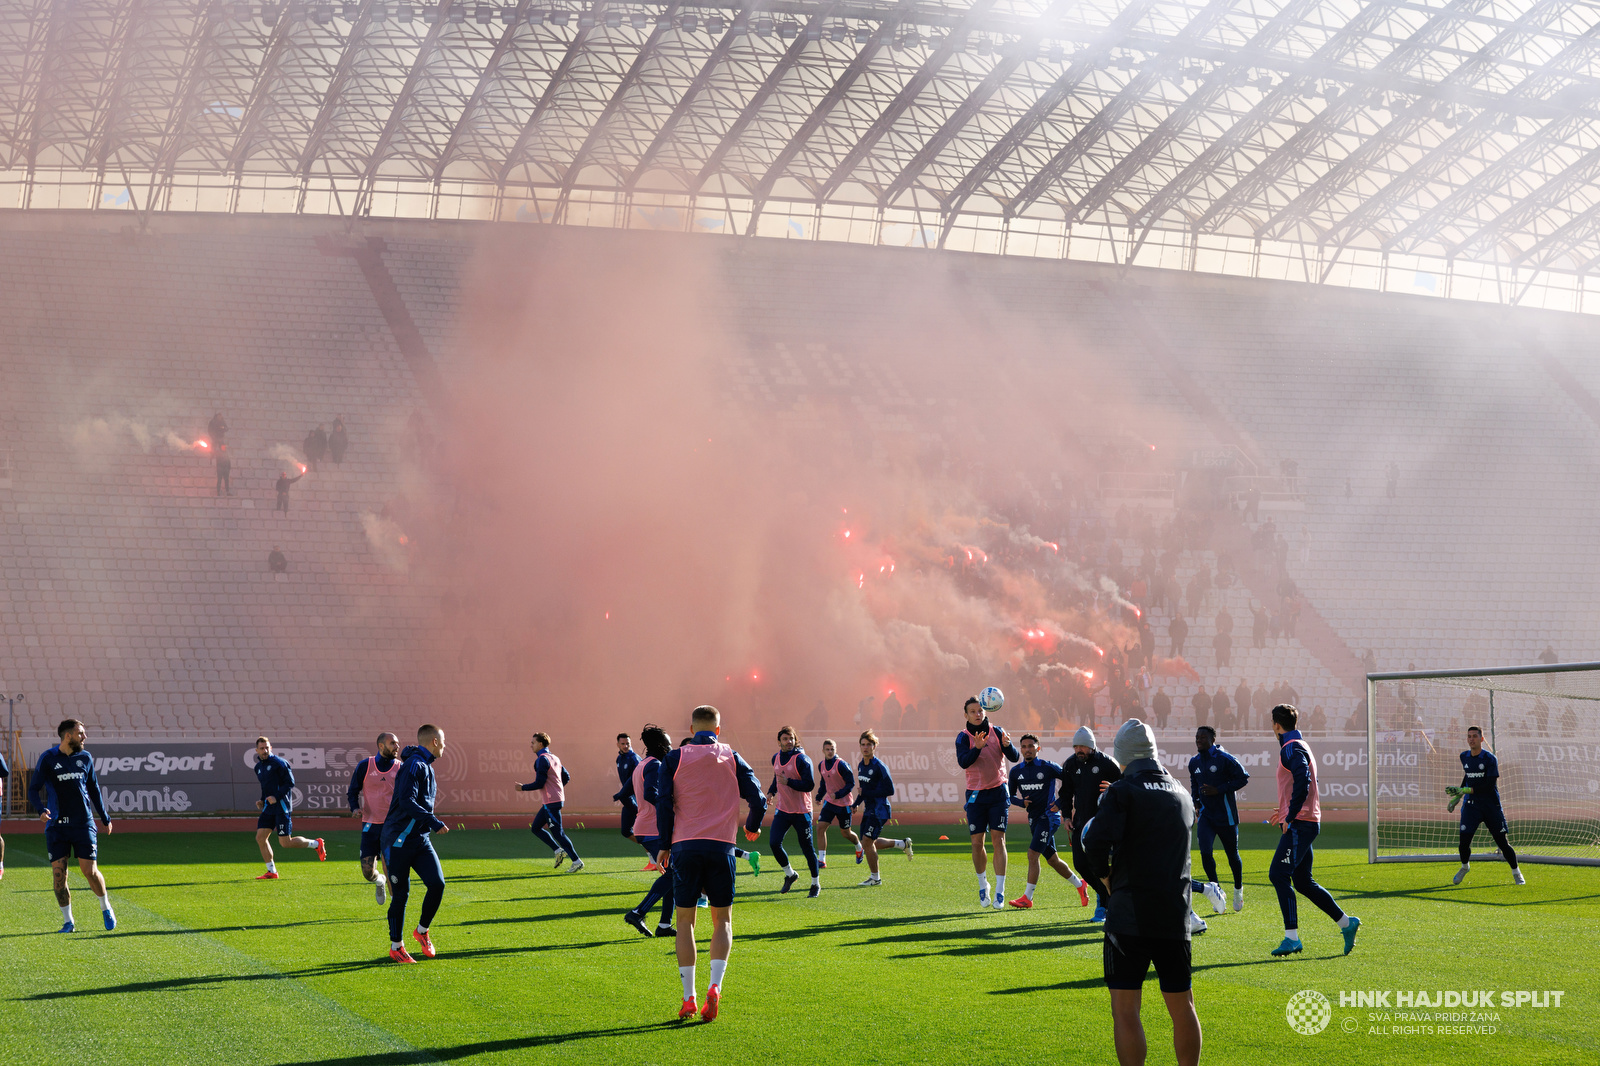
352 795
967 753
798 772
1481 773
840 798
1033 785
277 780
411 809
627 762
66 786
1296 758
749 791
541 773
1222 771
876 784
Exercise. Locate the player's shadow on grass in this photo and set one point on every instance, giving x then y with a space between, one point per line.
608 912
993 941
1452 894
853 925
1059 986
515 1043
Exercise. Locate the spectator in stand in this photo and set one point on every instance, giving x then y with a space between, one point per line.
1408 697
224 471
1319 720
1147 641
1220 710
218 428
1178 632
276 561
1260 704
1202 706
1369 661
315 447
1274 625
1549 656
1541 716
890 714
284 481
1161 707
1241 703
1224 622
1357 725
1196 594
1258 628
1252 504
1569 722
338 440
1291 615
1222 644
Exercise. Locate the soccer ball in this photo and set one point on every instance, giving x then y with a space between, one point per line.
991 699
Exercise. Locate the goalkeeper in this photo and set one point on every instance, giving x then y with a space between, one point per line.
1479 796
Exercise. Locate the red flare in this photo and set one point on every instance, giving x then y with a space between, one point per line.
202 444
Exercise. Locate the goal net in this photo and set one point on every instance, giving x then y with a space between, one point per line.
1541 723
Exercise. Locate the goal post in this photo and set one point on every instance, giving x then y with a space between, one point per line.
1542 723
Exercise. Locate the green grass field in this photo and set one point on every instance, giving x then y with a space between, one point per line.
210 966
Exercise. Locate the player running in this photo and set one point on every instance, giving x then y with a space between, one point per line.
698 789
550 779
1214 778
834 785
1033 788
979 749
277 809
407 845
63 790
1479 796
1299 816
371 788
1092 772
875 786
657 745
627 762
792 781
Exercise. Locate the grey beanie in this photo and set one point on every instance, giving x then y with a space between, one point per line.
1135 740
1085 736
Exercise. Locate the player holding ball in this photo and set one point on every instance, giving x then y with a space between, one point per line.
979 748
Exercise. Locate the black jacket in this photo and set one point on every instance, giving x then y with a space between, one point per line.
1079 799
1140 835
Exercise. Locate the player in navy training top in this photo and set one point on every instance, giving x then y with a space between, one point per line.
1215 777
277 809
874 786
5 773
66 793
1032 785
1479 793
627 760
407 845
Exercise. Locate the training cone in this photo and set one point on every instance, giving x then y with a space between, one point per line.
944 838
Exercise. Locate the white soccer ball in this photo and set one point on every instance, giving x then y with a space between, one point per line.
991 699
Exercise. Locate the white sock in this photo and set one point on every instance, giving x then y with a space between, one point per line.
422 929
788 871
1077 882
1292 934
1344 923
983 882
1028 892
999 885
719 967
822 856
687 973
105 901
66 913
815 881
272 867
395 945
901 844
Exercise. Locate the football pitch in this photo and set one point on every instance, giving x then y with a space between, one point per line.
210 966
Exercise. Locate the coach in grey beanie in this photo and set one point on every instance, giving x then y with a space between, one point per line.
1135 740
1084 736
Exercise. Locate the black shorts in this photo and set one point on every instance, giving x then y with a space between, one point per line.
371 840
833 812
630 814
1476 812
1128 960
698 870
276 816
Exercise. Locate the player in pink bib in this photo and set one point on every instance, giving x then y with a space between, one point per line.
371 789
550 781
793 778
1299 817
835 783
979 751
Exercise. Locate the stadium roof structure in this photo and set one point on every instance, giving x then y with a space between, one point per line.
1451 147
